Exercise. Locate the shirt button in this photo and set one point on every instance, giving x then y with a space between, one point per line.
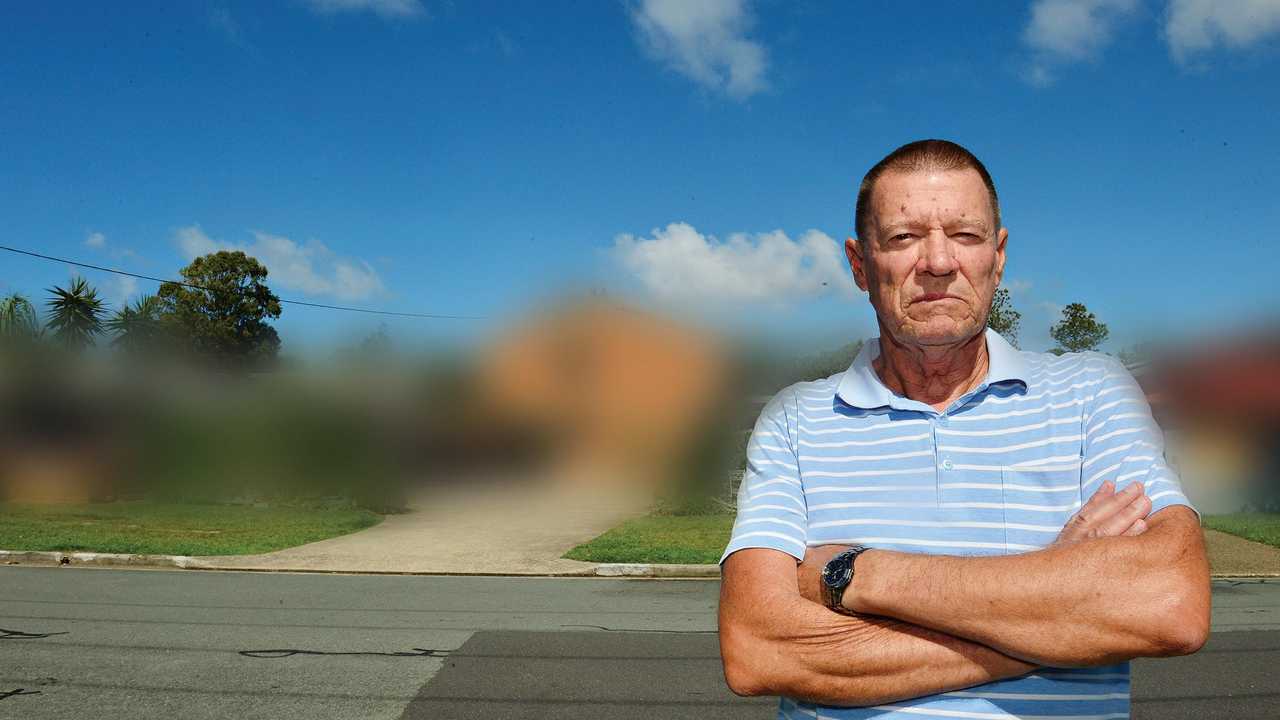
947 464
942 420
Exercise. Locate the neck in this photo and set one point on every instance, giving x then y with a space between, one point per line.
934 375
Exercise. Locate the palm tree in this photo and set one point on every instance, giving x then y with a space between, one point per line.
18 319
137 326
75 313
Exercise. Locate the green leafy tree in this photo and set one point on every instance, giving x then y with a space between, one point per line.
1003 318
1078 330
18 318
75 313
225 314
138 326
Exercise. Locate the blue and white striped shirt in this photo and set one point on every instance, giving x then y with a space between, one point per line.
846 461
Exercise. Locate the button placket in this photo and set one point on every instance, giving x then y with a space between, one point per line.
941 421
937 480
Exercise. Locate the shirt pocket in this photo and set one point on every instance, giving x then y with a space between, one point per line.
1038 502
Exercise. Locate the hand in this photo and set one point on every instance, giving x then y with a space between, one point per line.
1108 514
809 572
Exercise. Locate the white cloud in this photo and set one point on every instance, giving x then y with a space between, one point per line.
1067 31
312 268
118 289
1195 26
679 263
1017 287
382 8
96 240
704 41
1051 309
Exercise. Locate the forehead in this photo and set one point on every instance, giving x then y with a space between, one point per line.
927 194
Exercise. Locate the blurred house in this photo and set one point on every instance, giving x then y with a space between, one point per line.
55 438
1219 404
620 393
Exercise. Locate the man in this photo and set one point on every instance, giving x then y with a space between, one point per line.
980 532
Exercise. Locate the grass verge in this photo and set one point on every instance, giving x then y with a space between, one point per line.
171 529
1258 527
696 539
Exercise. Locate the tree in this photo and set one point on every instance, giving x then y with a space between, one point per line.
75 313
376 347
376 344
1140 353
138 326
222 308
1003 318
824 364
18 318
1078 330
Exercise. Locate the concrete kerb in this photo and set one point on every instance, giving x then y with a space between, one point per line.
34 557
657 571
187 562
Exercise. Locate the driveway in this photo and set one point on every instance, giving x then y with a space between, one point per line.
503 528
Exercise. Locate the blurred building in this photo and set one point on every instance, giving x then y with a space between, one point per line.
620 393
1219 405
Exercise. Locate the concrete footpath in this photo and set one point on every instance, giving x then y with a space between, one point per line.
498 529
1231 556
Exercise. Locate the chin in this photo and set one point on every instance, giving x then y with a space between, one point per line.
938 332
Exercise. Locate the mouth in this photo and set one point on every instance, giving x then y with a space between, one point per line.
934 297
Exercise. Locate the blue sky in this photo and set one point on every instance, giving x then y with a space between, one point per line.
477 157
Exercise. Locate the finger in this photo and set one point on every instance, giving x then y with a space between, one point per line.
1118 523
1105 490
1112 505
1102 505
1138 527
1092 518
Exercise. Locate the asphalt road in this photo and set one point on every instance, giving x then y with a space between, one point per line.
94 643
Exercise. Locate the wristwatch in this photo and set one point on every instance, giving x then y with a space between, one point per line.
837 575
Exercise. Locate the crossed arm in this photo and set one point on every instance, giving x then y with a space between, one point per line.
926 624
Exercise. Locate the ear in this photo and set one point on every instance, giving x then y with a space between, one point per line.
854 251
1002 240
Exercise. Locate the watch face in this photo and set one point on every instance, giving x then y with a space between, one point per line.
836 574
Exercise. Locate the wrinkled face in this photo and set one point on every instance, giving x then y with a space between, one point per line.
933 256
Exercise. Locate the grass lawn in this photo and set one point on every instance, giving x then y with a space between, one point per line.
140 527
660 539
1259 527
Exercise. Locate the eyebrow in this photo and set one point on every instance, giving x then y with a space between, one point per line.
965 222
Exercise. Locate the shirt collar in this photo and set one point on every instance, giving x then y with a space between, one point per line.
861 387
1004 361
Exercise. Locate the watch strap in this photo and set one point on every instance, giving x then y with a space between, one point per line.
834 596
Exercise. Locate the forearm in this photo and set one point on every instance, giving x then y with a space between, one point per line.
790 646
1087 603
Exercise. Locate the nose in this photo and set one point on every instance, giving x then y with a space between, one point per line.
938 255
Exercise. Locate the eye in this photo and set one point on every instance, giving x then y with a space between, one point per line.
900 237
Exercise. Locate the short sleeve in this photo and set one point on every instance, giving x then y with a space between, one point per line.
771 505
1123 443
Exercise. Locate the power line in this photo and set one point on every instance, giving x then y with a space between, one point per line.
199 287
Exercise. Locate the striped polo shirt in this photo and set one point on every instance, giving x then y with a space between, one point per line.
846 461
